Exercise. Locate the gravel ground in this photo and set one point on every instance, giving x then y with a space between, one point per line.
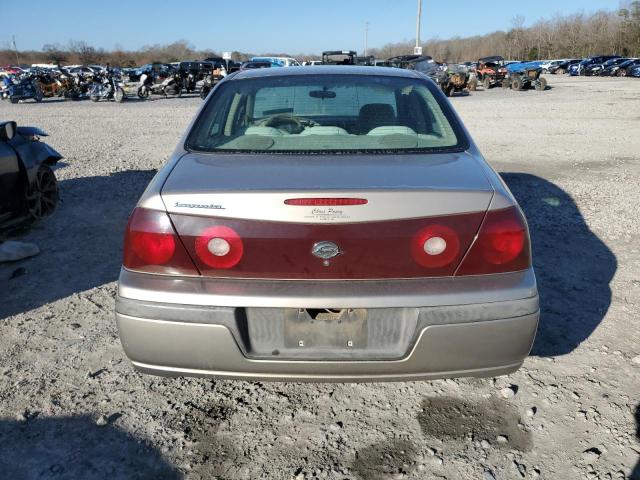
72 407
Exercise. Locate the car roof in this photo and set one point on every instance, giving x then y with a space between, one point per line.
327 70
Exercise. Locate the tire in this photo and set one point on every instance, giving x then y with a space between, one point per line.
143 93
42 197
516 84
119 95
472 85
14 99
204 92
622 73
94 98
541 86
561 71
486 83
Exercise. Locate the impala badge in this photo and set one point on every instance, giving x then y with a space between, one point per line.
325 250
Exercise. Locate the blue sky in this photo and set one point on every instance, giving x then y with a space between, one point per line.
300 26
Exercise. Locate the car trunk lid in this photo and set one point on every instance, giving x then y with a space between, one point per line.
400 197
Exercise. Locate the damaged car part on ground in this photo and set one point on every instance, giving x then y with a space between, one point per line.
332 224
28 186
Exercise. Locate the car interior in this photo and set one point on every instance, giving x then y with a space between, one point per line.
319 117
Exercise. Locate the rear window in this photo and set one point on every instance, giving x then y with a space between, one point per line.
327 113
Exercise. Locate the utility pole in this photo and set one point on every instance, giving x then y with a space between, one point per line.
366 37
418 49
15 49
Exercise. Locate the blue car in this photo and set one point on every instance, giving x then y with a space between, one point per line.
580 68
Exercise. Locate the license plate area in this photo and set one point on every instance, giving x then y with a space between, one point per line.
328 334
325 328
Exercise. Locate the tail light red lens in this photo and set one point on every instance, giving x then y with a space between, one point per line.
502 245
151 245
153 248
219 247
435 246
243 248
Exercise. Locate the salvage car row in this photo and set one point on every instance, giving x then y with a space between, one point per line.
104 83
600 65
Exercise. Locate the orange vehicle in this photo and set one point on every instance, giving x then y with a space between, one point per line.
53 85
491 71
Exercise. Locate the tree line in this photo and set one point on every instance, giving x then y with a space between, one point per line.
570 36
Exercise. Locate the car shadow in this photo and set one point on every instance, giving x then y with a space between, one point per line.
76 447
573 266
80 244
81 248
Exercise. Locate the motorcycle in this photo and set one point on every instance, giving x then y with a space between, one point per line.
74 88
26 87
5 83
211 80
51 85
189 82
207 85
146 81
170 86
107 86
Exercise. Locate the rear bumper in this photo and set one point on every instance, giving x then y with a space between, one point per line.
475 327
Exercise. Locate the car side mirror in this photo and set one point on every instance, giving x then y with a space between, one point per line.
8 130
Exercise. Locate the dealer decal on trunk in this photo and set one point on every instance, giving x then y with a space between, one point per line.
326 214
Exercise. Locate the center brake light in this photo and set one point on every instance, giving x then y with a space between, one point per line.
325 202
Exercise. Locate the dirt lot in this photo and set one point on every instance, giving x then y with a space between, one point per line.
72 407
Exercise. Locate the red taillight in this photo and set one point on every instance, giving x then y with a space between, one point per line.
153 248
435 246
219 247
370 250
502 245
325 202
151 245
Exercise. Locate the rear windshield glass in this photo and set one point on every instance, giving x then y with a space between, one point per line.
326 113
